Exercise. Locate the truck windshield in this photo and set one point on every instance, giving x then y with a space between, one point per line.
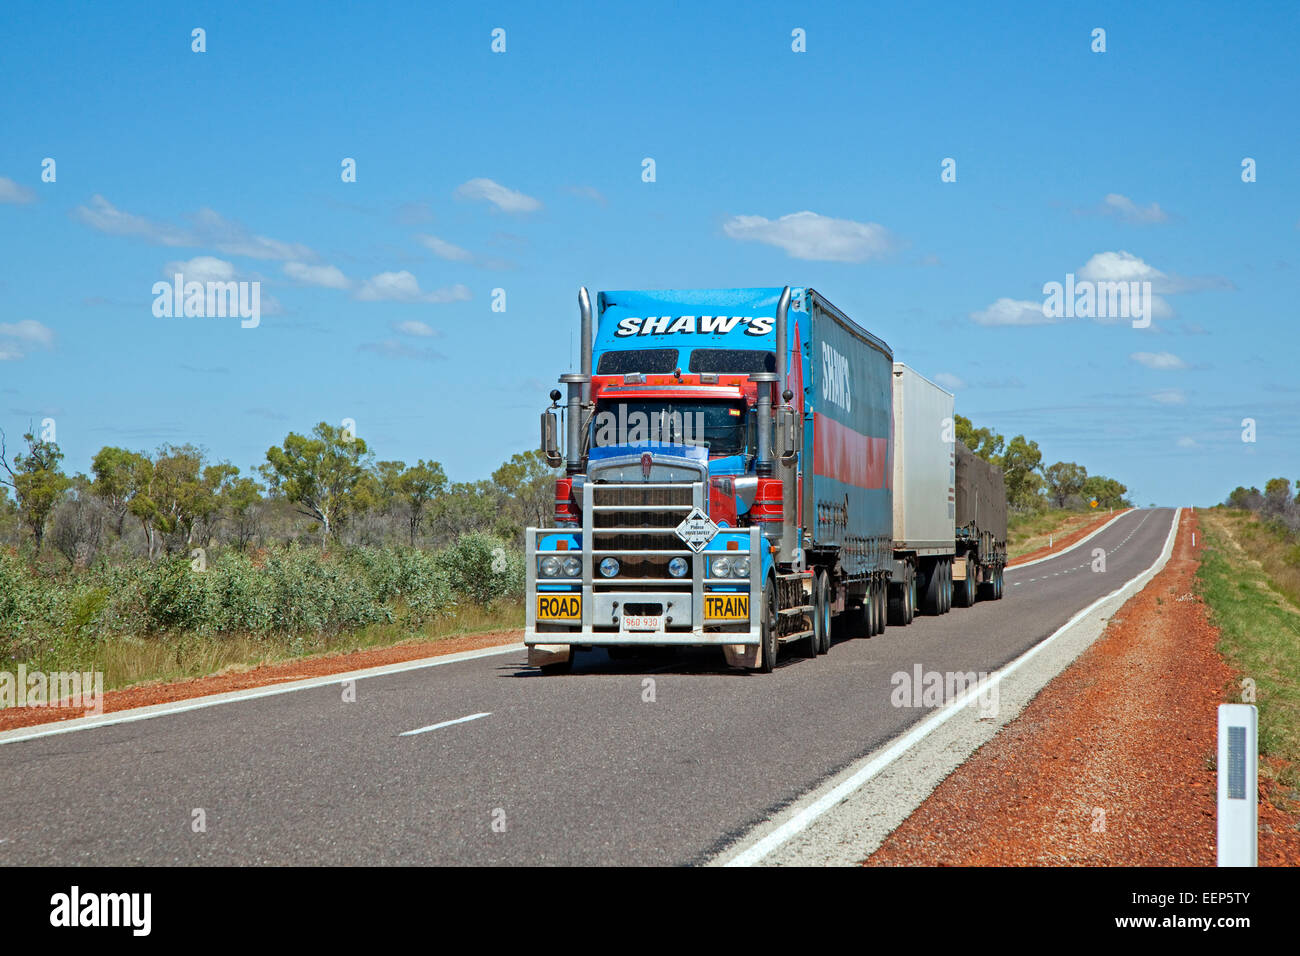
722 427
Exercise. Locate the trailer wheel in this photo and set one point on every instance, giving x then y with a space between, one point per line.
947 585
902 600
769 629
871 609
822 612
997 586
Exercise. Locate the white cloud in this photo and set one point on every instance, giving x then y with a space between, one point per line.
1013 312
1126 209
330 277
949 381
445 250
1186 442
588 192
403 287
1158 360
1170 396
503 197
807 235
201 269
412 327
209 228
1123 266
17 337
10 191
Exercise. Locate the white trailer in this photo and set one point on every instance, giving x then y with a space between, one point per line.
924 479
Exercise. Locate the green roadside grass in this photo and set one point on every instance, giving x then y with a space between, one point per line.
1250 590
1029 532
128 660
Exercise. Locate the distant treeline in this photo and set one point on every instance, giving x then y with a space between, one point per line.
1277 506
1031 486
323 488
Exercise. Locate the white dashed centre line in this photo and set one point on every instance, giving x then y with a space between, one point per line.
445 723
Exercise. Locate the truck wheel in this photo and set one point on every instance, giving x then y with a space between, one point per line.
997 584
871 609
947 585
881 595
769 635
822 612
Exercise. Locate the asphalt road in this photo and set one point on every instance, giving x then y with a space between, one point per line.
579 769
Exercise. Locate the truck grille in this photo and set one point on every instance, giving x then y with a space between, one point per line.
633 497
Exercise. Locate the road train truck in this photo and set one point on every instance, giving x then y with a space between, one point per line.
730 479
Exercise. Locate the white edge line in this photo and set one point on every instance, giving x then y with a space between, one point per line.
445 723
1079 543
252 693
801 820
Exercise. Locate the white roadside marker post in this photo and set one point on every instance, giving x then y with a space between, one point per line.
1238 843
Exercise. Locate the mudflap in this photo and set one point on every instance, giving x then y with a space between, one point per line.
742 655
540 655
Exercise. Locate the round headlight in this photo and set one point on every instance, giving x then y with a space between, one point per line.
721 567
609 567
678 567
740 568
572 567
550 567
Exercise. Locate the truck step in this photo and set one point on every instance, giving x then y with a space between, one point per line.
800 609
796 636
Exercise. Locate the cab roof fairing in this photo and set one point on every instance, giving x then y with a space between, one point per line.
613 333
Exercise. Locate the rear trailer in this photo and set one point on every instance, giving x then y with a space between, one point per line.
981 528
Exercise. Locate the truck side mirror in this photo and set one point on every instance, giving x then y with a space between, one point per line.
786 435
550 440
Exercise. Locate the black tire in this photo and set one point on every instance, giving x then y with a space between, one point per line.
771 644
822 611
947 585
871 609
998 585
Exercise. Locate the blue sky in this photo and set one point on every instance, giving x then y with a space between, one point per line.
522 171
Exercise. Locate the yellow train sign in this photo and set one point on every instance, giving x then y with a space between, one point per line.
726 607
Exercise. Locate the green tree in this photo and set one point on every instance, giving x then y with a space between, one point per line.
241 500
319 474
37 479
416 487
115 471
1107 492
984 442
1020 463
1064 479
528 484
1277 495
